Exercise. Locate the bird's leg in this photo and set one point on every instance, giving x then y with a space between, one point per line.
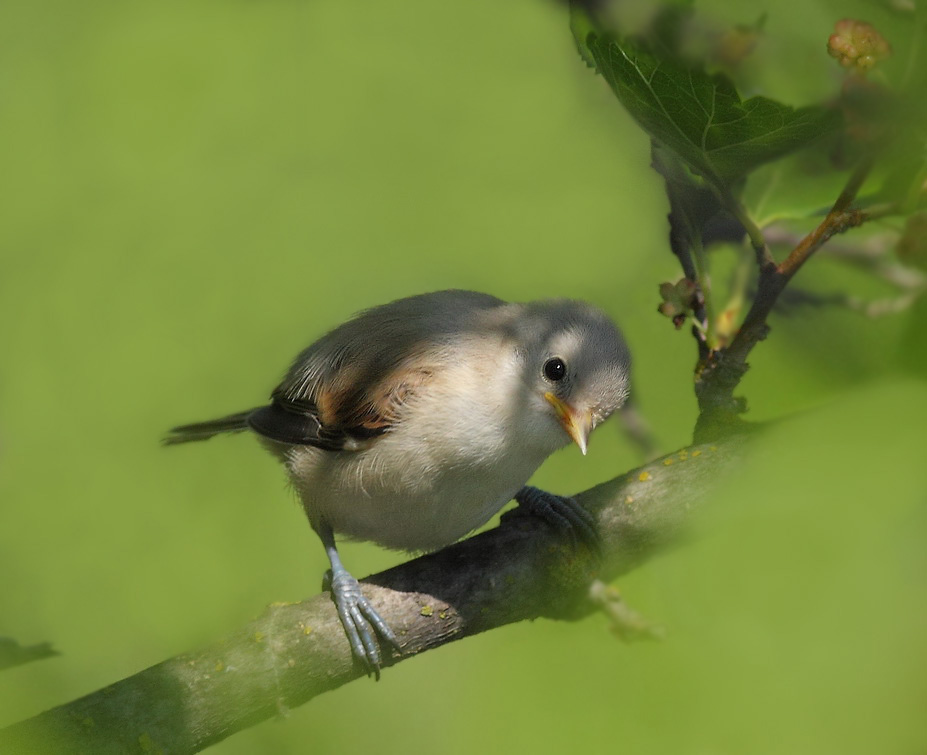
562 513
359 618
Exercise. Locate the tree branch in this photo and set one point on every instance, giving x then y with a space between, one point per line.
773 278
839 219
293 652
719 374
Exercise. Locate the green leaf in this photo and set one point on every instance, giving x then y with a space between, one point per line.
802 186
582 25
700 116
692 203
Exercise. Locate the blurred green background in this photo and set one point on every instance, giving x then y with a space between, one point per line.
190 192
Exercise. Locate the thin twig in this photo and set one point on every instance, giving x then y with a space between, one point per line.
839 219
774 278
707 315
761 249
870 254
882 307
792 298
740 280
718 376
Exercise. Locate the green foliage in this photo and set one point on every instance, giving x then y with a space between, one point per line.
195 191
735 166
798 187
700 116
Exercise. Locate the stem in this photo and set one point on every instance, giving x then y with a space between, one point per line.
738 295
704 284
882 307
741 281
838 220
717 378
757 240
773 279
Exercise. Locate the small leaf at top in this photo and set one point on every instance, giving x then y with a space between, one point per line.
701 116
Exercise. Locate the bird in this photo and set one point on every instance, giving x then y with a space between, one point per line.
414 422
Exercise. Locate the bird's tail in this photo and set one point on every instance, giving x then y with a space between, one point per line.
233 423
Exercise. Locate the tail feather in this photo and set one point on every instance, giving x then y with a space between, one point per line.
233 423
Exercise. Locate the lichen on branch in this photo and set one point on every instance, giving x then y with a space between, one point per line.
293 652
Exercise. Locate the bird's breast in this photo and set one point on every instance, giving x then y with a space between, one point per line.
462 447
405 498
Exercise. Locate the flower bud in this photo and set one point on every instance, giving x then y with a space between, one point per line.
857 45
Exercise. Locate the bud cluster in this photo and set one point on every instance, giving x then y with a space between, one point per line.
857 45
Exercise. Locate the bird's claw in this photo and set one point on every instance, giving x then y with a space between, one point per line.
360 620
562 513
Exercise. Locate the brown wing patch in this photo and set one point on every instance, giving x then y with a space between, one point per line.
385 404
364 412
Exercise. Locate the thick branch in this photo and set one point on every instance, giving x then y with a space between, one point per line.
293 652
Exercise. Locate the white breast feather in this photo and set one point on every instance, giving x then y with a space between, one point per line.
472 449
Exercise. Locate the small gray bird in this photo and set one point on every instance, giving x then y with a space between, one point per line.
416 421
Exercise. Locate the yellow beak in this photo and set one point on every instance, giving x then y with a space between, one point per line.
578 425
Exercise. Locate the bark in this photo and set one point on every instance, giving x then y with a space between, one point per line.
293 652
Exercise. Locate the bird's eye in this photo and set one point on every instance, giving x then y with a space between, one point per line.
554 369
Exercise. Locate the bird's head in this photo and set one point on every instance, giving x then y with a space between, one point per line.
576 365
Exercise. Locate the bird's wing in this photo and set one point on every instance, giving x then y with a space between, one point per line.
339 419
351 385
293 423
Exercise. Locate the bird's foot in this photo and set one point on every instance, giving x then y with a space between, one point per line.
360 620
563 514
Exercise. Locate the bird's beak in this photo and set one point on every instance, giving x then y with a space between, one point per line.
578 425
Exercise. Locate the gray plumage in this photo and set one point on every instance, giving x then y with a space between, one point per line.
413 423
416 421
